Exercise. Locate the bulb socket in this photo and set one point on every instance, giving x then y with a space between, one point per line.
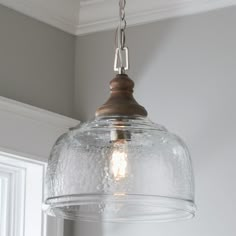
120 136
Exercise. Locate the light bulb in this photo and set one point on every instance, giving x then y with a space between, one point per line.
119 160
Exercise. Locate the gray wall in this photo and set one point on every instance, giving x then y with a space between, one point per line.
185 72
36 63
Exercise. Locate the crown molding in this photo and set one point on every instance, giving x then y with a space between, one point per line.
89 16
63 14
100 15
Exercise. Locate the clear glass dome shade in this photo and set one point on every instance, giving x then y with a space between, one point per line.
120 169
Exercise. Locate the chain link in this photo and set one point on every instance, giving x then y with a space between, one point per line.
123 23
120 40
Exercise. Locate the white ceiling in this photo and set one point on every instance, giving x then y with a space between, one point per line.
87 16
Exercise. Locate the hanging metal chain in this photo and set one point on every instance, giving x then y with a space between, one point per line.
121 63
123 24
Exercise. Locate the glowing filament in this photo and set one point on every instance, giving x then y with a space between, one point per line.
119 164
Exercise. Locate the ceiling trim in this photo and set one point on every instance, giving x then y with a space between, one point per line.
89 16
42 12
143 12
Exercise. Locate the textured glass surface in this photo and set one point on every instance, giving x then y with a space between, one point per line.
120 170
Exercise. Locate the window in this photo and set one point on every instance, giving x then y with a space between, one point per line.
3 203
28 133
21 196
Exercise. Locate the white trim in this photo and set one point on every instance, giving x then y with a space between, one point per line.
87 16
4 204
29 130
28 133
22 156
42 11
141 13
16 194
17 174
43 116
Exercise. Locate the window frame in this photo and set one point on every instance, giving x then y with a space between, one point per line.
4 179
30 132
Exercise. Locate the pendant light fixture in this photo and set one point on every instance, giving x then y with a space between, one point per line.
120 167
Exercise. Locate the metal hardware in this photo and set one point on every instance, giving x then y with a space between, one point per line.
121 63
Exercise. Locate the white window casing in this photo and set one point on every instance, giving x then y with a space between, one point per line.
27 136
